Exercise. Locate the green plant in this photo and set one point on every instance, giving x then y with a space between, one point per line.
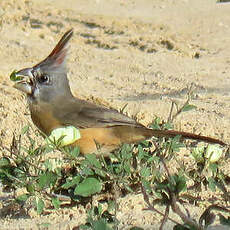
48 182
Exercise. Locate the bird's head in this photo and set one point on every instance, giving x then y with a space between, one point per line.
48 79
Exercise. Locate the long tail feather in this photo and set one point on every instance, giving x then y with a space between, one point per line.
185 135
130 134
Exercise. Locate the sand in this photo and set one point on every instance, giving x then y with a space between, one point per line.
143 53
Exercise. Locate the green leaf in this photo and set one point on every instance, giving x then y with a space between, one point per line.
53 165
144 143
145 172
198 154
126 151
14 77
100 172
117 169
56 202
47 179
181 185
127 167
86 171
156 123
168 126
100 225
213 167
212 184
22 198
111 206
129 189
25 129
40 205
72 183
100 209
188 107
156 159
175 144
141 152
92 159
19 173
4 161
74 152
146 185
85 227
30 188
88 187
177 183
43 225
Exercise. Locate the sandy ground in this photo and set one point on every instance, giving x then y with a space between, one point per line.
142 52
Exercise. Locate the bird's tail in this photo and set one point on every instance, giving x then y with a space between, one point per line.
184 135
134 134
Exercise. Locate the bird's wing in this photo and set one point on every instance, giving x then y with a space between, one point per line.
84 114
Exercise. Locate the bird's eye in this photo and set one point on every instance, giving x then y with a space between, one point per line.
43 78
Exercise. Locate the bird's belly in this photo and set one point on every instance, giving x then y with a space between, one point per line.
97 140
104 140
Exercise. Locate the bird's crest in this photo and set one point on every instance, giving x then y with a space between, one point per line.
58 55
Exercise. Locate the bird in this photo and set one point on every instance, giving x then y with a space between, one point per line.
52 105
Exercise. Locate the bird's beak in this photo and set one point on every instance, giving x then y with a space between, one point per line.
23 80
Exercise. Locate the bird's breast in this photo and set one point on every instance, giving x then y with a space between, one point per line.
42 116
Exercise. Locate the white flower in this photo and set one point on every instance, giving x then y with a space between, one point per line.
213 153
68 134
